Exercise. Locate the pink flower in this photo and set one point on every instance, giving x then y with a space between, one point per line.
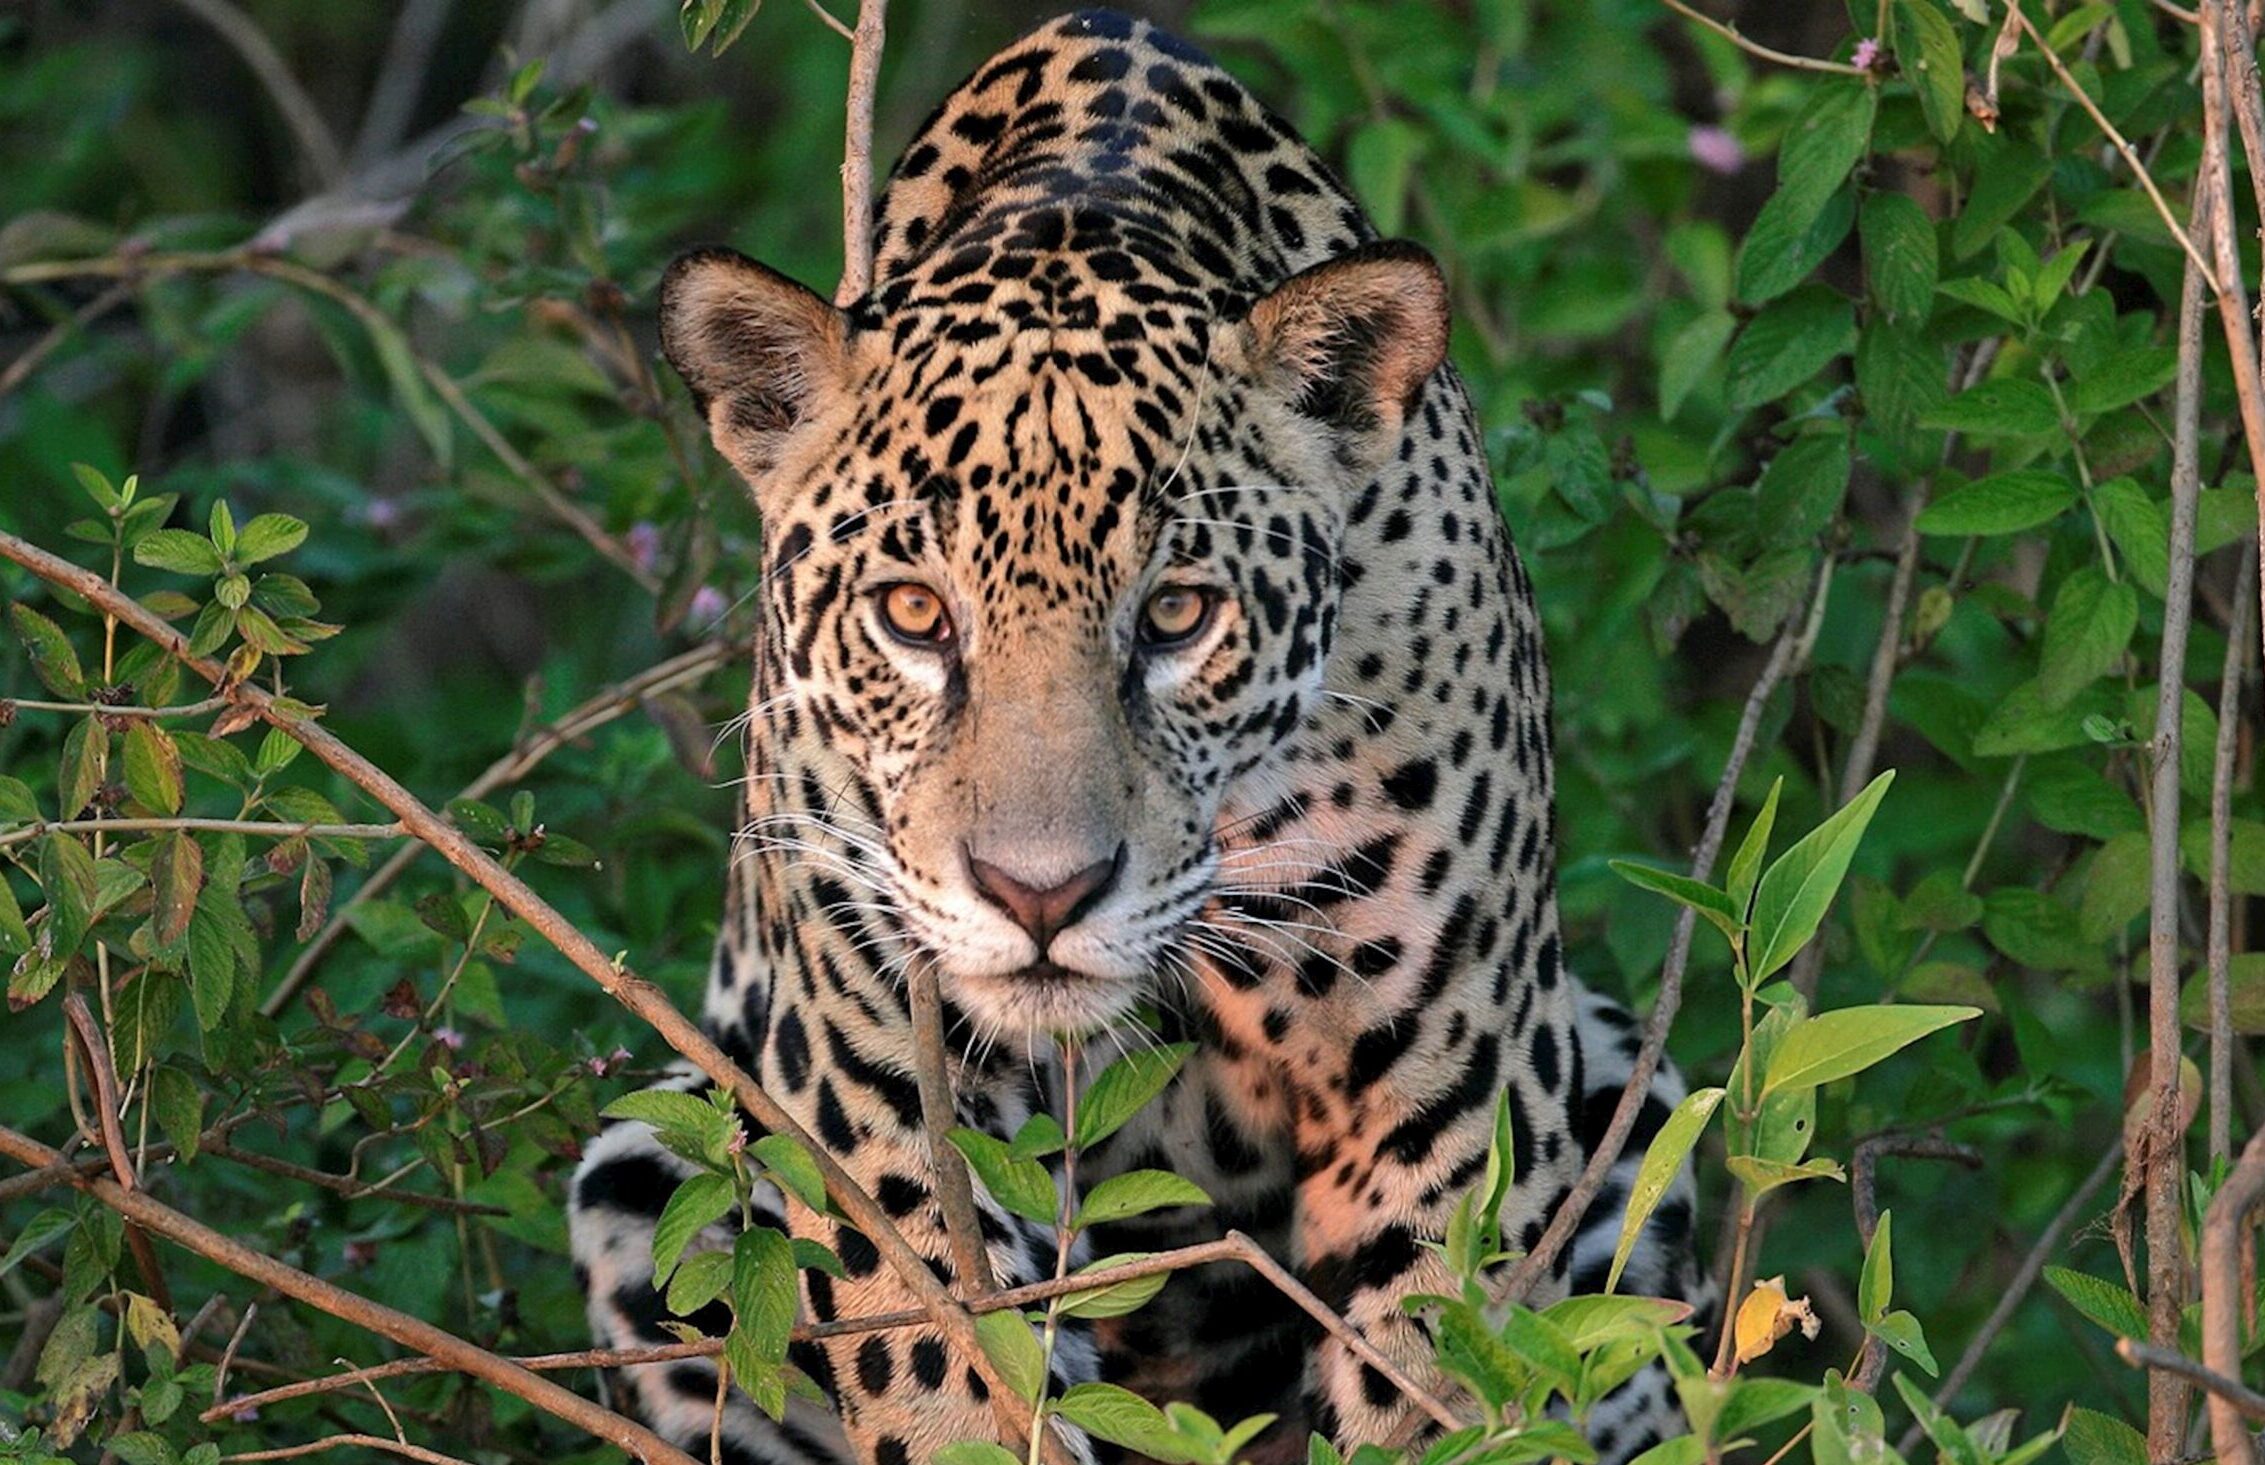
448 1038
644 542
1715 150
600 1067
381 514
360 1254
707 607
1867 54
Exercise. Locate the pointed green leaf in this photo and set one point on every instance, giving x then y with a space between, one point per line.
1798 888
1014 1351
1137 1192
697 1203
52 659
1124 1088
1663 1161
1022 1186
1834 1045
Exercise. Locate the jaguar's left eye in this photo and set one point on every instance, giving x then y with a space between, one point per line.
1176 614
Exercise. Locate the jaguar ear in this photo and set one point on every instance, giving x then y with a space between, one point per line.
1352 340
756 349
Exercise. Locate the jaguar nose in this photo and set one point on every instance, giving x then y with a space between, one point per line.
1044 912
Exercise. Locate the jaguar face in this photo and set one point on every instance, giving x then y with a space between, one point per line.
1052 589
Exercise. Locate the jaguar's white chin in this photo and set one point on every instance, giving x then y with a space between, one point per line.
1041 1000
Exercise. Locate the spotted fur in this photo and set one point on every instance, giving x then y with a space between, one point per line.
1128 336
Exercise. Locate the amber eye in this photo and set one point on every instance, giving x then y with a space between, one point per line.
915 613
1175 614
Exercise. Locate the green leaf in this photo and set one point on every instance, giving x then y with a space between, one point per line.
2094 1438
483 824
698 1202
1801 490
410 389
2139 527
52 658
1927 50
1746 863
699 1280
2124 378
2009 175
2003 503
1825 141
1834 1045
1760 1176
1788 343
1899 256
141 1447
177 1104
793 1170
1663 1161
267 536
2115 887
17 806
2009 408
178 550
2086 633
86 761
1041 1135
1984 295
1022 1186
1875 1287
2037 930
153 768
1135 1193
1683 890
1692 356
2106 1304
1798 888
1014 1351
15 935
1122 1417
67 879
1788 240
975 1452
1901 1331
1117 1298
1123 1089
176 876
763 1291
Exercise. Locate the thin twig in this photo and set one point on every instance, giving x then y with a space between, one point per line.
2123 147
351 1441
2220 938
97 709
2219 19
1863 1164
2161 1159
185 1231
833 22
2245 1401
228 1354
1792 649
350 1188
2225 1302
1731 34
275 828
613 976
615 701
19 370
857 152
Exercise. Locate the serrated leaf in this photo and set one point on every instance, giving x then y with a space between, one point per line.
52 659
2010 408
1800 492
176 877
153 768
1788 343
2086 633
1692 356
67 878
2124 378
698 1202
1022 1186
699 1280
178 1105
763 1292
2105 1303
791 1167
1928 52
483 824
179 551
1663 1161
2003 503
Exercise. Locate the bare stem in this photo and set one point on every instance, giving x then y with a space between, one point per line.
1731 34
857 151
2220 938
266 828
2225 1300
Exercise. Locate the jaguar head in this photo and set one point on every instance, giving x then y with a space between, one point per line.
1054 566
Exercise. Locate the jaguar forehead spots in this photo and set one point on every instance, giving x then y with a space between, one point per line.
1138 631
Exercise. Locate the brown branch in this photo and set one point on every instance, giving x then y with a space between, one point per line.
2225 1301
641 997
102 1077
857 152
2162 1159
611 703
2246 1401
2220 926
184 1231
264 827
1792 649
2233 297
1731 34
97 709
1233 1247
955 1193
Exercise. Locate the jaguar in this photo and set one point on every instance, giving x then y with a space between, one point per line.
1142 655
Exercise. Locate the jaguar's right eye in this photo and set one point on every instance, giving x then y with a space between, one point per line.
915 614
